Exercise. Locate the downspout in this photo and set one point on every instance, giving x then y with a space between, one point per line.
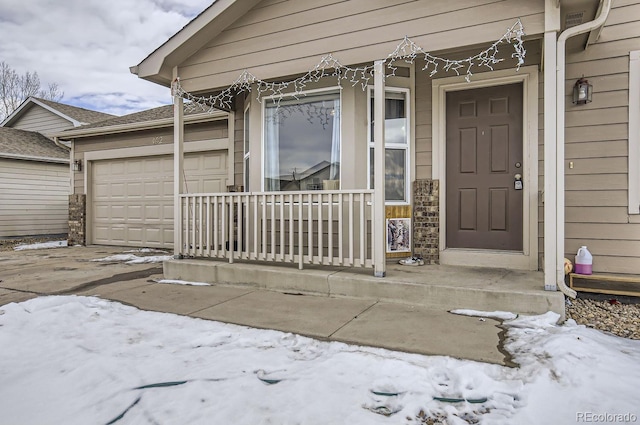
560 123
59 144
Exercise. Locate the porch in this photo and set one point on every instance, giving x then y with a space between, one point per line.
432 286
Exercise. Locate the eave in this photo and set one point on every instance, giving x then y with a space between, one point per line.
158 66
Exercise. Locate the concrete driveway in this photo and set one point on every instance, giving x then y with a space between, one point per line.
396 326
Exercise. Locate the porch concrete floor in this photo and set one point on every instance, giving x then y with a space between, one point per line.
434 286
403 311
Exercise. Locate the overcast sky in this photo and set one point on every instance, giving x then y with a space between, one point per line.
87 46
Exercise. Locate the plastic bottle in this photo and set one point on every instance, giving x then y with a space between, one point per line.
584 261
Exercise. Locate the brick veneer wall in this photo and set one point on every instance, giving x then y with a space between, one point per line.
426 220
77 220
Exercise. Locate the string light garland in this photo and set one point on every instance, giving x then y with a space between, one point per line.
407 51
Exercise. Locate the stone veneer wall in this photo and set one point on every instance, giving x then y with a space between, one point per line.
77 219
426 220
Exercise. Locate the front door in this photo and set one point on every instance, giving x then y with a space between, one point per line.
483 160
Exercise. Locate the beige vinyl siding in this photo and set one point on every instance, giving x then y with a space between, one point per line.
34 198
193 132
285 38
423 126
597 146
41 120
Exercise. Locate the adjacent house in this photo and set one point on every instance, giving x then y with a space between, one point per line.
34 169
34 184
48 117
124 186
508 132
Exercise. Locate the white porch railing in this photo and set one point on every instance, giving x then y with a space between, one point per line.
317 227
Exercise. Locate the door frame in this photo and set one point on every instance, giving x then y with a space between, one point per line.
528 76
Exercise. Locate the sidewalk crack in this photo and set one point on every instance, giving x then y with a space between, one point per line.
221 302
352 319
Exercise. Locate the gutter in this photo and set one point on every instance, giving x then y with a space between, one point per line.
34 158
59 143
560 123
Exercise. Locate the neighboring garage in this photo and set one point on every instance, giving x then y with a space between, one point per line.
132 198
123 190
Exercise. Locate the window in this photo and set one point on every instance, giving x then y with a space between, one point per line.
302 143
396 145
246 147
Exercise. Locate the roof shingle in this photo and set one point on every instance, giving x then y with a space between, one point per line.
142 116
79 114
29 144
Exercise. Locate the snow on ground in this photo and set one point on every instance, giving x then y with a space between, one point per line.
500 315
147 250
41 245
134 259
182 282
81 360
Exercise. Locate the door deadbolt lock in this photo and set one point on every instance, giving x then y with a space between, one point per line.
518 181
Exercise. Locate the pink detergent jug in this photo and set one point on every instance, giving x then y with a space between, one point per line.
584 261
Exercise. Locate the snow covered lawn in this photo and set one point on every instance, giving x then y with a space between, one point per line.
83 360
134 259
41 245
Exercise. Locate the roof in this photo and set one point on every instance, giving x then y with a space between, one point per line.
142 116
158 66
75 115
24 144
82 115
161 116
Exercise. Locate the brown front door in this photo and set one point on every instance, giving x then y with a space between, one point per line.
483 156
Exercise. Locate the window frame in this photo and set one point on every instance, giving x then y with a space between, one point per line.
406 92
246 119
292 96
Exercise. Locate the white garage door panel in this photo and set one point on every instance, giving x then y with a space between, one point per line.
133 197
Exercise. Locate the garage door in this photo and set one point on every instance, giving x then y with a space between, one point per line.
133 197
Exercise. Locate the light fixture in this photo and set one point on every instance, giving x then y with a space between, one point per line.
76 165
582 92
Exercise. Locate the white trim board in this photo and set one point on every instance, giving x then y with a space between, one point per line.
528 76
634 132
166 149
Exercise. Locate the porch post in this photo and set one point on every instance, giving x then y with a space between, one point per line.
379 228
552 26
178 168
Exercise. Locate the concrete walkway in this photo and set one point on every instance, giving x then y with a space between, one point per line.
364 321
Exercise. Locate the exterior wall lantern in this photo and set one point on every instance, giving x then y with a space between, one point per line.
582 92
76 165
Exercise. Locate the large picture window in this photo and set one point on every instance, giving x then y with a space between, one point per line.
396 145
302 143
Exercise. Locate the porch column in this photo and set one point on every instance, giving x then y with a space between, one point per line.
552 26
379 228
178 168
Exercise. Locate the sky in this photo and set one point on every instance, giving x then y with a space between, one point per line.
87 46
